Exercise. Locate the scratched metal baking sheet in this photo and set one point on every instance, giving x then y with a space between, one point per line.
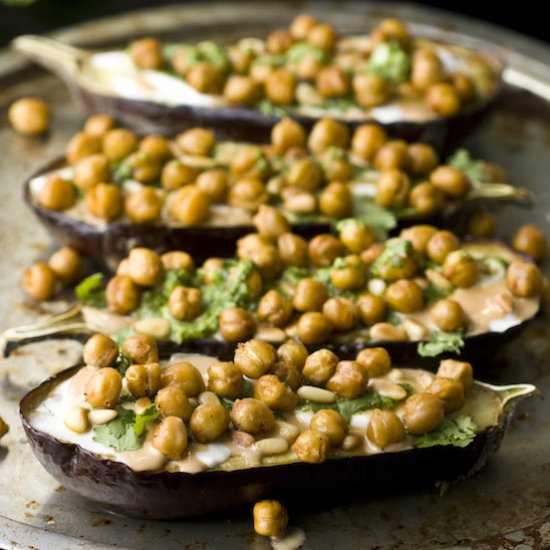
507 506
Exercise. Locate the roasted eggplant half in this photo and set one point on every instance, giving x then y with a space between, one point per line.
192 435
423 291
114 191
419 89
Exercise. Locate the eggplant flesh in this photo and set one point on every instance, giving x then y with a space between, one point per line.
115 487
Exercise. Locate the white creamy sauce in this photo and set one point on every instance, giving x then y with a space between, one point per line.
216 453
292 539
503 324
304 417
361 420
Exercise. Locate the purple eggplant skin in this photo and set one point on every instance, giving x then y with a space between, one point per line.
114 487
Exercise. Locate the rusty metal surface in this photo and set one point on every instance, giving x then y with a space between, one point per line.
507 506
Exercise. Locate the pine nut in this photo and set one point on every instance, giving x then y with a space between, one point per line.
157 327
438 279
287 431
377 287
351 442
301 203
101 416
415 330
385 332
208 398
387 388
141 404
76 419
242 439
319 395
272 446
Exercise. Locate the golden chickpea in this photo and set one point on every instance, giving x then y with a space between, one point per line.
443 99
370 90
305 173
309 295
481 223
351 277
30 116
332 81
461 269
336 166
371 254
122 295
336 200
341 313
427 69
263 254
214 184
249 160
242 90
279 41
395 29
145 267
225 380
205 78
441 244
324 249
99 125
308 66
293 250
236 324
56 194
422 159
312 447
332 424
322 36
293 353
145 206
104 201
449 391
141 349
172 401
170 437
66 263
145 169
419 236
424 413
119 143
392 155
280 87
178 260
255 357
457 370
147 53
100 351
82 145
448 315
275 394
349 381
102 390
367 140
90 171
288 374
393 188
452 181
185 376
530 240
189 205
185 303
208 422
376 361
287 134
465 87
405 296
320 366
328 133
270 223
356 237
274 308
156 147
301 25
143 380
524 279
270 518
313 328
371 309
426 199
385 428
252 416
197 142
39 281
248 193
175 174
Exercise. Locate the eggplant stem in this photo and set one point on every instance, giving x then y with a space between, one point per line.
511 394
502 191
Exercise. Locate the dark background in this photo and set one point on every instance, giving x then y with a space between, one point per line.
528 16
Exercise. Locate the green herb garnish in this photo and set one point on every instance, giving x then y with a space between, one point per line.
90 290
380 220
394 255
459 432
441 342
390 61
474 169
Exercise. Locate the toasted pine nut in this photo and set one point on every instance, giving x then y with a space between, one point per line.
272 446
287 431
301 203
438 279
320 395
377 287
157 327
351 442
387 388
208 398
242 439
270 334
385 332
76 419
101 416
415 330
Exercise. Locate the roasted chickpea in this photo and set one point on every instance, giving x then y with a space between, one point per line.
352 276
185 303
385 428
175 174
394 29
324 249
293 353
312 446
252 416
225 380
320 366
301 25
197 141
332 81
336 166
279 41
270 518
305 173
371 254
242 90
143 380
449 391
288 374
452 181
287 134
376 361
122 295
422 159
214 184
327 133
263 254
371 309
392 155
255 357
349 381
39 281
82 145
119 143
170 437
370 90
145 168
102 389
270 223
66 263
56 194
427 69
274 393
100 351
481 223
313 328
178 260
236 324
443 99
156 147
249 161
448 315
461 269
457 370
147 53
248 193
322 36
336 200
531 240
30 116
308 66
405 296
185 376
441 244
98 125
524 279
424 413
465 87
205 78
104 201
332 424
208 422
141 349
426 199
145 267
293 250
419 236
189 205
356 237
145 206
340 312
280 87
172 401
275 308
393 188
367 140
309 295
90 171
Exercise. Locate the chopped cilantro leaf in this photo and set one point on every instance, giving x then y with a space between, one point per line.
378 218
441 342
395 253
390 61
459 432
474 169
90 290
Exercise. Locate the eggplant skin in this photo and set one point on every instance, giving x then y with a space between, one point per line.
115 487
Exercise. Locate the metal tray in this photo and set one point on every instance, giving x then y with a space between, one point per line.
507 506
